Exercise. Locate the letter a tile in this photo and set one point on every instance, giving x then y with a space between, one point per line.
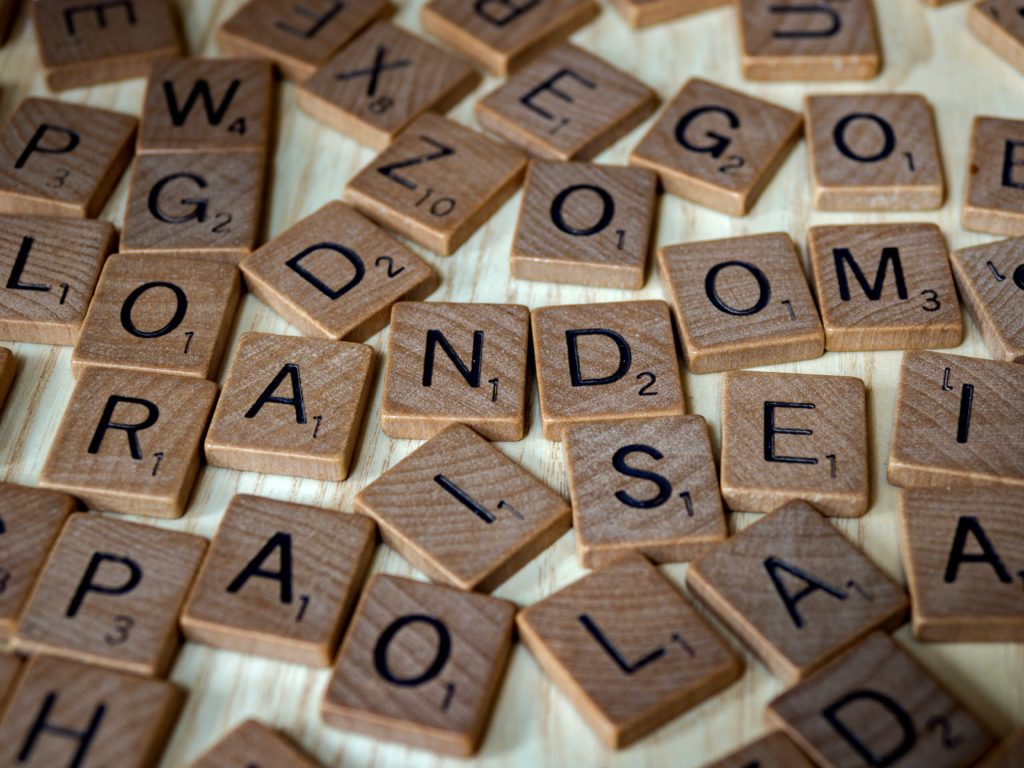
994 198
776 750
1000 25
991 282
254 745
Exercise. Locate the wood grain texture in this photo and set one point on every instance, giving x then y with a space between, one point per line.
992 300
8 368
994 195
644 13
999 24
10 668
776 750
253 744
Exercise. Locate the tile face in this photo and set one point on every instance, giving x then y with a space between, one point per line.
129 441
796 40
70 714
741 302
60 159
211 105
437 183
1008 754
884 286
254 744
89 43
776 750
382 81
874 152
110 595
788 436
462 512
963 553
585 224
796 591
605 362
159 314
643 486
291 406
628 649
8 367
421 665
566 104
958 423
502 36
644 13
1000 25
10 667
336 274
280 580
456 363
991 282
48 271
298 38
875 706
718 147
30 519
994 199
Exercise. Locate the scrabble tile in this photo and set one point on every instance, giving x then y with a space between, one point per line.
70 714
421 665
718 147
384 80
456 363
30 519
1008 754
88 43
280 580
8 367
159 314
628 649
110 595
994 198
788 436
741 302
566 104
776 750
796 40
643 486
1000 25
992 299
60 159
884 286
957 423
605 362
437 183
874 152
335 274
195 204
10 667
291 406
298 37
253 744
796 591
645 13
502 36
875 706
207 105
129 441
585 224
462 512
8 12
48 270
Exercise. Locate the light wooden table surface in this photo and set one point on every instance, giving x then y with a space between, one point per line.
926 50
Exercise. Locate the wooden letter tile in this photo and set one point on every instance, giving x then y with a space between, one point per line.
1009 753
110 594
384 80
993 300
421 665
462 512
875 706
628 649
280 580
776 750
645 13
69 714
1000 25
456 363
874 152
788 436
741 302
159 314
585 224
129 441
605 362
566 104
796 591
8 367
994 200
798 40
10 668
8 12
254 745
60 159
437 183
335 274
504 34
958 423
643 486
718 147
291 406
30 519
